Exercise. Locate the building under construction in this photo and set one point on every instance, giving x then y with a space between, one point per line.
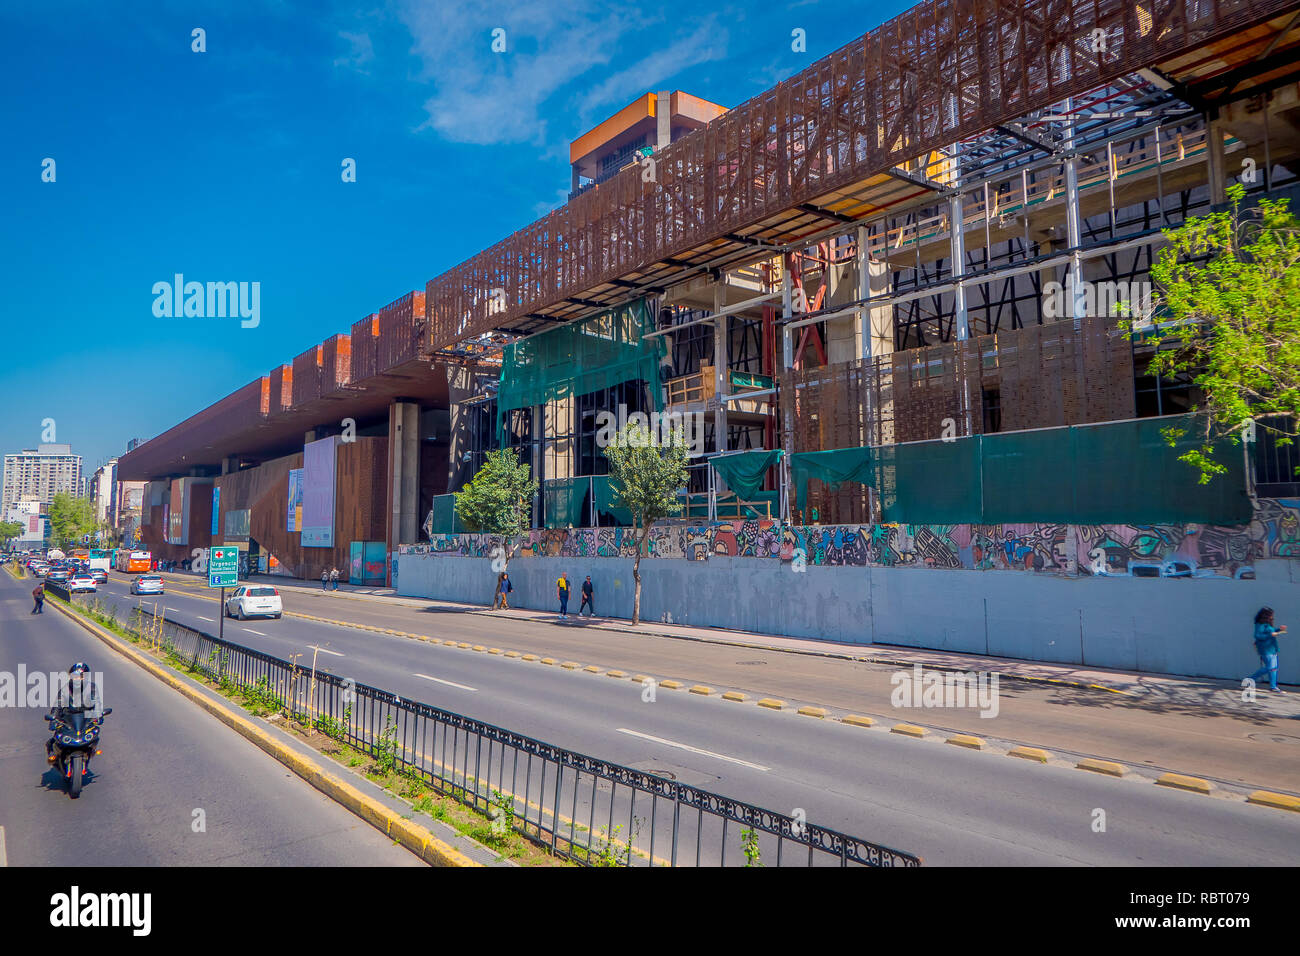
923 239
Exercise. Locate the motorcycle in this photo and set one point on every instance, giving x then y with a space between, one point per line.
76 738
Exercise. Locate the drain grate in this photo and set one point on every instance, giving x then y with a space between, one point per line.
751 663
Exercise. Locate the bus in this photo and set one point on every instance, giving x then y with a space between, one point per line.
133 562
98 559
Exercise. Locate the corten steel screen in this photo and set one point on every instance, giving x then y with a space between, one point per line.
318 493
940 72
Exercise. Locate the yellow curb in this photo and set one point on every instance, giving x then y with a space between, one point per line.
1182 782
570 665
771 703
494 650
966 740
733 695
530 657
857 721
548 660
702 690
1101 766
1282 801
615 674
409 834
1028 753
819 712
424 637
512 654
463 644
480 648
592 669
908 730
672 684
641 678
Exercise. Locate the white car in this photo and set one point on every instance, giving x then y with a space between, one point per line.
80 582
147 584
254 599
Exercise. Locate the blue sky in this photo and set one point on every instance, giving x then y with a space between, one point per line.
225 166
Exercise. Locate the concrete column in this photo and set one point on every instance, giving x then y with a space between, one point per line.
1075 290
403 473
787 334
1216 160
663 119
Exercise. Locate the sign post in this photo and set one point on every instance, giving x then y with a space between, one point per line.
223 572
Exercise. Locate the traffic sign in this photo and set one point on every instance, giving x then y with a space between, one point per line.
223 567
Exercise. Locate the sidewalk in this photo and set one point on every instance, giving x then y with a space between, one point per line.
1133 683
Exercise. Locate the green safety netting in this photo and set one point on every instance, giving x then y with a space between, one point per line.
937 479
604 491
834 466
596 353
443 517
1118 472
564 500
744 472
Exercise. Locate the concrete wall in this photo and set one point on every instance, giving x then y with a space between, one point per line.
1194 626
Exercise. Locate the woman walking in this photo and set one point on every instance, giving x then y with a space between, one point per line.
1266 646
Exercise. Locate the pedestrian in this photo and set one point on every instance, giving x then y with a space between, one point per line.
324 579
504 587
38 593
334 579
586 599
562 592
1266 647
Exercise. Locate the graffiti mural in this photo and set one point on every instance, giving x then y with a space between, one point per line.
1187 551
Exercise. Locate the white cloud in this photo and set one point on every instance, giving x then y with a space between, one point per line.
551 50
362 51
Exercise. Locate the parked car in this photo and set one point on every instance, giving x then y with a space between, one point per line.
250 600
80 582
100 576
57 575
147 584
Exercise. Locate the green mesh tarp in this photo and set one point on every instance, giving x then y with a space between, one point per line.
1115 473
744 472
937 479
444 517
564 499
834 466
1126 470
604 491
585 356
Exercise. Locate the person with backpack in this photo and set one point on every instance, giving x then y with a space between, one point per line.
324 579
504 587
38 593
562 592
1266 647
334 579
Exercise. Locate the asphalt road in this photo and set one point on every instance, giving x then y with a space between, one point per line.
946 804
163 758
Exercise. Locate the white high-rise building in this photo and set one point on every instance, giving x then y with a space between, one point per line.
39 474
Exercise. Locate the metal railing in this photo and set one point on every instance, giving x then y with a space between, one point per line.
584 809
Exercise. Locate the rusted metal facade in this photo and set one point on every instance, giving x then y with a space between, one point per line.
943 71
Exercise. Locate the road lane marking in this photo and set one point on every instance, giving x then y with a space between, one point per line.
251 631
323 650
694 750
202 618
449 683
4 857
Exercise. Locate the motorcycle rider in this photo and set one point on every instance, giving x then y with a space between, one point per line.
78 693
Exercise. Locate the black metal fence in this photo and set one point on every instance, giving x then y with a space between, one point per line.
582 808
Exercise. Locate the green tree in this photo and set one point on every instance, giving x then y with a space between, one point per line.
498 501
646 479
1228 298
70 518
10 530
